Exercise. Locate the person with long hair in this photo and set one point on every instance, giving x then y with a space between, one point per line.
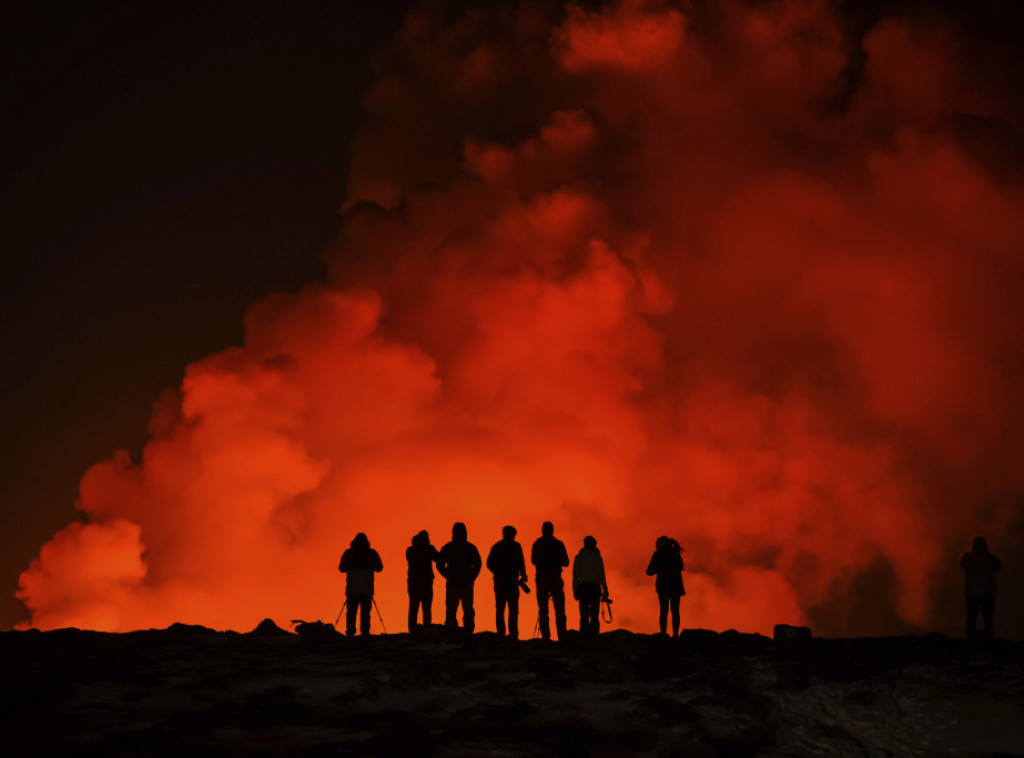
667 567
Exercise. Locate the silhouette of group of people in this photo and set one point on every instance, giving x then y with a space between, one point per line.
459 562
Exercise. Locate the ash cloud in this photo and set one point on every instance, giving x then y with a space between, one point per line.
746 274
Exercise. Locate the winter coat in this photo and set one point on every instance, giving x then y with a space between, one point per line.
459 562
359 563
588 568
421 557
667 565
980 574
549 556
507 563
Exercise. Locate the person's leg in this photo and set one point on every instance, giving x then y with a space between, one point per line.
590 600
468 614
427 600
499 611
662 612
451 605
543 593
513 614
558 600
350 615
973 606
364 614
988 607
674 604
414 603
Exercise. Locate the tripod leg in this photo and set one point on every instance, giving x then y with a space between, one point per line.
381 618
341 612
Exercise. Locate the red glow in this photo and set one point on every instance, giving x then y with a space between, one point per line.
697 298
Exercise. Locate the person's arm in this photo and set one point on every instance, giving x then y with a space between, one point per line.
490 559
442 563
652 567
522 564
378 565
575 578
476 563
604 581
565 556
343 563
533 553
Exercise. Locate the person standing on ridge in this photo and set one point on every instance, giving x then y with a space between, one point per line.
980 568
421 557
549 557
459 563
589 586
507 564
359 563
667 565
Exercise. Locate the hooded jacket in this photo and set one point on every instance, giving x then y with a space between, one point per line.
506 562
421 557
549 555
459 560
980 567
588 568
359 563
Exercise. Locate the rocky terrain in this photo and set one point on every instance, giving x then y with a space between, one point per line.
194 691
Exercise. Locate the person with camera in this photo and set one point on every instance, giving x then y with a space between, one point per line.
507 564
589 586
359 563
548 558
459 563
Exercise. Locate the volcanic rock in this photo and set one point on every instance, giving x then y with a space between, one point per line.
188 690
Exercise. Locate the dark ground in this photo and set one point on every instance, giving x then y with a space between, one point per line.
193 691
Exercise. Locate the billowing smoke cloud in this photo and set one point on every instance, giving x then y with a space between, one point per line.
744 274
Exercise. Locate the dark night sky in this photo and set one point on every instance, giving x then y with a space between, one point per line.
164 165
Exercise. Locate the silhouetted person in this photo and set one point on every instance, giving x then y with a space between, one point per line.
459 563
359 563
589 585
421 557
667 566
980 567
549 557
507 564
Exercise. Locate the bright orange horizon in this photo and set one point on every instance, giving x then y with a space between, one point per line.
694 283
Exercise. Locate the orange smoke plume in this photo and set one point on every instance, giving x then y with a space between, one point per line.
747 275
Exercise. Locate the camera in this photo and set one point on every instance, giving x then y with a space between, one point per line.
525 586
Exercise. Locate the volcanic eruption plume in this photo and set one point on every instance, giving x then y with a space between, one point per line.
746 274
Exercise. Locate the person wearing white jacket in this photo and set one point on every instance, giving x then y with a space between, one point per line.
589 586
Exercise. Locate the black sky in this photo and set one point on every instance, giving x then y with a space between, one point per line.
164 165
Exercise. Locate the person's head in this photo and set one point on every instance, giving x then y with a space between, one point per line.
589 541
508 532
459 533
980 545
360 541
662 542
547 529
421 538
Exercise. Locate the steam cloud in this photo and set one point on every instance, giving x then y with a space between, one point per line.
748 275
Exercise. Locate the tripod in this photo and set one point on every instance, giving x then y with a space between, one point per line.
372 600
